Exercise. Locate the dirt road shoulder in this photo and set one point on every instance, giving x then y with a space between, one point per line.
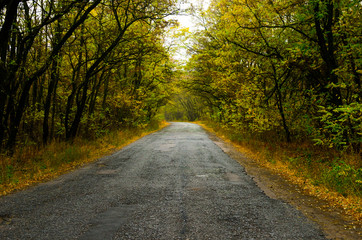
334 223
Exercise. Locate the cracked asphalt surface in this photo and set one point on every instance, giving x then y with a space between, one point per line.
172 184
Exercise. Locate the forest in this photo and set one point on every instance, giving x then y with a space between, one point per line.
289 69
80 68
281 80
281 72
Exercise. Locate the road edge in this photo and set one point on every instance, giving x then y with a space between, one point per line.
333 223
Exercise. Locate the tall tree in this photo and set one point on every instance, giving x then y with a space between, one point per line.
58 57
287 63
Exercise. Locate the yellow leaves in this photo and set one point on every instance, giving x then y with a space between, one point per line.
182 32
94 12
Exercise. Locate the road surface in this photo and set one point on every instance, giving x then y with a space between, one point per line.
172 184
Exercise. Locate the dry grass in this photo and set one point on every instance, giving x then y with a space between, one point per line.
32 165
312 168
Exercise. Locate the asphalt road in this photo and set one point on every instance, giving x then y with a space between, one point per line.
173 184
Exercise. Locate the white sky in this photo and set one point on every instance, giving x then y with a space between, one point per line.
186 21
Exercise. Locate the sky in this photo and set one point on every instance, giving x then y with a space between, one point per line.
188 20
185 21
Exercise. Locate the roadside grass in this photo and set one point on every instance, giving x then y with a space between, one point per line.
327 174
31 165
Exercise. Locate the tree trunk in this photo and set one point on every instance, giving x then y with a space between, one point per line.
327 50
53 82
24 93
54 78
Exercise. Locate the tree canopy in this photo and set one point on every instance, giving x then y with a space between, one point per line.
73 68
289 67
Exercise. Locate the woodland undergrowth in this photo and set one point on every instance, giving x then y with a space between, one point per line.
322 172
30 165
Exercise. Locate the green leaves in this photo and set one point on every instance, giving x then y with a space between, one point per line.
268 66
68 65
342 126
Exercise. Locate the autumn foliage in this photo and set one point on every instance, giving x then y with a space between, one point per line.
289 69
80 68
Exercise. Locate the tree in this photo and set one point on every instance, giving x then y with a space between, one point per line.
270 65
60 58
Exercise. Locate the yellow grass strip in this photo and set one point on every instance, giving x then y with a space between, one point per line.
352 205
31 166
